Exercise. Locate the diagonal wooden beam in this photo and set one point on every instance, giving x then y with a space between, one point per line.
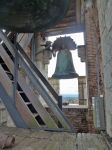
16 117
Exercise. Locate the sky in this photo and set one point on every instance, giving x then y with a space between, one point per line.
69 86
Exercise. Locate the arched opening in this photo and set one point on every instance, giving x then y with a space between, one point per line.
69 88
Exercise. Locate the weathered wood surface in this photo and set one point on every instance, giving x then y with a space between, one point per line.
28 91
21 106
41 140
55 109
24 39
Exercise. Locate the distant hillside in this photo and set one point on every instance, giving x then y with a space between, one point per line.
69 97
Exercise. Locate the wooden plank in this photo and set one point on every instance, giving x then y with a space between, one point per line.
14 131
25 113
11 109
19 37
25 40
67 30
53 144
21 107
84 141
41 140
79 142
96 139
28 91
4 79
63 141
90 142
103 142
7 43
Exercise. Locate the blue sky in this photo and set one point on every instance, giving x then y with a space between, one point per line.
69 86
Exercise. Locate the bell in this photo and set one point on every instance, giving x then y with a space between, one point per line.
64 67
31 15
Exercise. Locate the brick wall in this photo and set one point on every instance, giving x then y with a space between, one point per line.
91 53
78 118
82 119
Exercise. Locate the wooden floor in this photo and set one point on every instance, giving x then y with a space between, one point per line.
41 140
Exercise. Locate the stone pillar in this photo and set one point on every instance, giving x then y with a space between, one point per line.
40 54
41 60
82 86
55 84
105 21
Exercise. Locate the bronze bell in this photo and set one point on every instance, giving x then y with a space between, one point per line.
64 67
31 15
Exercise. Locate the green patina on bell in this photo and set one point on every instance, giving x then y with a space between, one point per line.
31 15
64 67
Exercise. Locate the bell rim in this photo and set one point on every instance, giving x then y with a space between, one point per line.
65 76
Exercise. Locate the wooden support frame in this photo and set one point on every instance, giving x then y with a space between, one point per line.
6 86
11 109
42 90
55 109
29 92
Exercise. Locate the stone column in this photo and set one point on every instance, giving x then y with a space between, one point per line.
82 90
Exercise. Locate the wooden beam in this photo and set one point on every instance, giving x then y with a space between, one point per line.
24 40
7 100
67 30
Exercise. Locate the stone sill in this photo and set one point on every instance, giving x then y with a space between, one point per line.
71 106
76 106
